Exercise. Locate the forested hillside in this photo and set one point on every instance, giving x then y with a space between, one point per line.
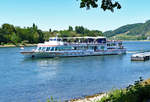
138 31
10 34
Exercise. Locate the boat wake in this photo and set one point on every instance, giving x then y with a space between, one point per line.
132 52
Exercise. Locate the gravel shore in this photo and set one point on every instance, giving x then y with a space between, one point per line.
92 98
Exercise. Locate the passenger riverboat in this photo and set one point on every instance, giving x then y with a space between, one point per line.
76 46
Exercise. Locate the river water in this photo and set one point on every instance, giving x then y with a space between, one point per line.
35 80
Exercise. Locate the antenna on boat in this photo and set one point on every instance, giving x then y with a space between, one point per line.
57 37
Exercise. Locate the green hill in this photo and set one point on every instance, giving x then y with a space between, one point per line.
138 31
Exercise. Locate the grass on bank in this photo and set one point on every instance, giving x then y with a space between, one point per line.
139 92
51 100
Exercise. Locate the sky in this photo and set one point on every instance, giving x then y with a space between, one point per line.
59 14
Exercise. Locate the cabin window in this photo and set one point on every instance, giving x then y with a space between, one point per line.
108 44
48 49
120 43
60 48
113 44
57 48
102 47
52 49
43 48
82 47
40 48
101 40
75 48
67 48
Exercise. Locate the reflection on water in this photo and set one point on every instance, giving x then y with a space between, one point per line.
32 80
47 68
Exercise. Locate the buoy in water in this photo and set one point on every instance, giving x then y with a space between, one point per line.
21 48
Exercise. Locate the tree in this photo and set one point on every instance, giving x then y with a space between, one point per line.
70 28
14 38
79 29
34 26
41 36
50 30
7 31
16 35
35 37
2 38
105 4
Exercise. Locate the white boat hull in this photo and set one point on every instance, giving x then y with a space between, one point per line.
73 53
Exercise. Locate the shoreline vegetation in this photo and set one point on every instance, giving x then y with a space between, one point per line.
138 92
11 35
19 45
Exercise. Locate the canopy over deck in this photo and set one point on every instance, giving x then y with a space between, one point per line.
99 39
85 37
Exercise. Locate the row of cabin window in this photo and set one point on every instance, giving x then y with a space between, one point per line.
83 47
114 44
53 48
66 48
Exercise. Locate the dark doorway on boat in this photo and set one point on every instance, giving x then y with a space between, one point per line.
33 56
95 48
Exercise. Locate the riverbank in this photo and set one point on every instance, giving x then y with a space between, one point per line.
92 98
133 93
11 45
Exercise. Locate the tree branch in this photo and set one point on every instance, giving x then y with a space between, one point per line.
105 4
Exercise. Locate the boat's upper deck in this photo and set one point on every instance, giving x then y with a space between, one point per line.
74 41
71 43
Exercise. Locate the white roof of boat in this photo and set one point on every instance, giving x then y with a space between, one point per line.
86 37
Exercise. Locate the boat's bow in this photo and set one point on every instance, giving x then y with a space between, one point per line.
27 53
